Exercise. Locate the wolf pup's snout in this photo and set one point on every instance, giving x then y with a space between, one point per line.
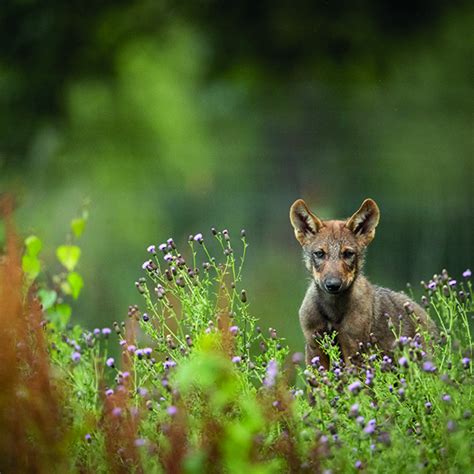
333 285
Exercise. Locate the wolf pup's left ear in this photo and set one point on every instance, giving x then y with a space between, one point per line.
305 223
364 221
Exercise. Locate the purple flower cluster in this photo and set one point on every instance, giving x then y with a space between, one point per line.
271 375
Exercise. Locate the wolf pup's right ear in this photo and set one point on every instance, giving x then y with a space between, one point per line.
305 223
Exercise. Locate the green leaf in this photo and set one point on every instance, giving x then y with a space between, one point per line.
33 245
68 255
31 266
77 226
66 288
47 297
76 283
60 314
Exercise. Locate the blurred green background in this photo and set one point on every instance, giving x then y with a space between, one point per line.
172 117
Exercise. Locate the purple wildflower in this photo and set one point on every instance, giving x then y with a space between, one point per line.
172 410
110 362
354 411
446 398
168 257
151 249
146 265
76 356
234 330
236 359
96 332
451 426
140 442
167 364
370 427
162 247
131 348
198 238
106 331
355 387
467 273
452 283
272 372
358 464
466 362
403 340
88 438
142 391
432 285
138 353
369 376
109 392
122 342
117 411
428 366
297 358
147 351
428 407
315 361
403 361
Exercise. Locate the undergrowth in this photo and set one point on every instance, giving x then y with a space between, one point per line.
200 387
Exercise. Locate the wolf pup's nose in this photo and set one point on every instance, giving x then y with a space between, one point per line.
333 285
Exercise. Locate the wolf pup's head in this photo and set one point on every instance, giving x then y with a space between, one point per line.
334 250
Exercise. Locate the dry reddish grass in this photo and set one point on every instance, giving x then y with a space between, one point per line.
32 432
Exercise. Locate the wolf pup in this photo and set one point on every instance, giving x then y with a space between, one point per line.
339 297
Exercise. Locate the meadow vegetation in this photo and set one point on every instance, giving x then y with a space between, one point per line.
189 382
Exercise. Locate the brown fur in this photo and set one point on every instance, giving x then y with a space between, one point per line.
358 311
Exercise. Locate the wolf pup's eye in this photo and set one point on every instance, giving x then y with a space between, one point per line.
319 254
348 254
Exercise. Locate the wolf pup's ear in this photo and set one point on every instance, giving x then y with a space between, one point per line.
364 221
305 223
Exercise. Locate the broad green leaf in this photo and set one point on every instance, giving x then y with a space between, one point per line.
77 226
60 314
76 283
33 245
66 287
68 255
31 266
47 297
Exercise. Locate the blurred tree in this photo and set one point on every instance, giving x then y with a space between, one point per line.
46 45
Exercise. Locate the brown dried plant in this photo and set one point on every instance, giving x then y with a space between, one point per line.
33 434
